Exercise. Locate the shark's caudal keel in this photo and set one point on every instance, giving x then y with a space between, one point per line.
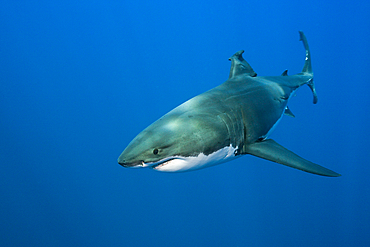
225 123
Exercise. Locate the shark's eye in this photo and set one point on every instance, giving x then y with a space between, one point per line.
155 151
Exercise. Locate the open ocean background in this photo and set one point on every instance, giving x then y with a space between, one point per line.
80 79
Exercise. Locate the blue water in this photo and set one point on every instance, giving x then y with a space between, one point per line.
79 79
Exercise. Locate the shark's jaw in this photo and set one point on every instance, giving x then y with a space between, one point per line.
183 163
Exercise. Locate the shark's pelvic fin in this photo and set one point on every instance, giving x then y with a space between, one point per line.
271 150
240 66
288 112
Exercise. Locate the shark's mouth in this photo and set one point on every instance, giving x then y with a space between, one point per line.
159 164
189 163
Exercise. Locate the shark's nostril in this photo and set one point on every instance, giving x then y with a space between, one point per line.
122 162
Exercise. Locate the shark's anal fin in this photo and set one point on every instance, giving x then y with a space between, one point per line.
271 150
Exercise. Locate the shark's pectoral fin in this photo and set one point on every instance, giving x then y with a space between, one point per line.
271 150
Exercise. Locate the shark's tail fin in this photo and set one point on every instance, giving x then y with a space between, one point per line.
307 68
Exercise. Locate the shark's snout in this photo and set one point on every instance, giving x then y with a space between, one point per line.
122 163
125 163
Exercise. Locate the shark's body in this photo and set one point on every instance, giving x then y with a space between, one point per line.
224 123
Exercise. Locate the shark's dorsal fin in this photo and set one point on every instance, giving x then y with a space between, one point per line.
288 112
240 66
285 73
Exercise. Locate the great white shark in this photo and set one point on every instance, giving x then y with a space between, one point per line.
224 123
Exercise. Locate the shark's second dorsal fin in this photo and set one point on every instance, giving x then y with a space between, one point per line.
285 73
240 66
